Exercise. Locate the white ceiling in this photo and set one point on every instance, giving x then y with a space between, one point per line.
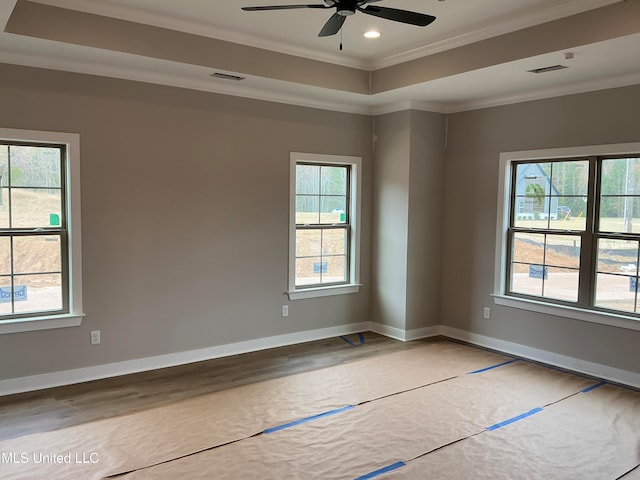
459 22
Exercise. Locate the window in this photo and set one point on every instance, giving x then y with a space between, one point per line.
570 235
39 231
324 225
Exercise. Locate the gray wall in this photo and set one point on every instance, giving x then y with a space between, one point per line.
185 199
391 217
408 178
185 211
425 219
475 140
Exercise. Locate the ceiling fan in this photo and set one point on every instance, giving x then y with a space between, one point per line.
345 8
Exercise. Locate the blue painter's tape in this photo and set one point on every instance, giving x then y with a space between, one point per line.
493 366
348 341
361 335
593 387
307 419
386 469
514 419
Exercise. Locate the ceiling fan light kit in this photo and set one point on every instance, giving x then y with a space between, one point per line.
346 8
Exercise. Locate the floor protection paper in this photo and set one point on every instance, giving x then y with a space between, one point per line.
365 438
592 435
157 435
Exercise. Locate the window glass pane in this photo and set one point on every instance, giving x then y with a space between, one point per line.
333 209
31 208
528 248
308 243
308 179
4 191
620 176
562 251
570 178
570 213
4 207
525 215
5 256
617 214
336 269
532 206
37 254
532 179
617 256
561 284
307 210
334 181
4 165
5 296
617 292
37 293
334 241
527 279
35 166
308 270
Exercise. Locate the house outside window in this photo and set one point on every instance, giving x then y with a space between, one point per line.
40 261
324 225
568 236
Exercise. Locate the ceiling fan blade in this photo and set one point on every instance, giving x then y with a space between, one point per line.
404 16
332 26
282 7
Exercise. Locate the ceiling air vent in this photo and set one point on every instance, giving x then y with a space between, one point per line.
227 76
552 68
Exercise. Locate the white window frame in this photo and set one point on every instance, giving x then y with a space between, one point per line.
72 206
353 282
502 225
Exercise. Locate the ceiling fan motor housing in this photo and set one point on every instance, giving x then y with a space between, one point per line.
346 7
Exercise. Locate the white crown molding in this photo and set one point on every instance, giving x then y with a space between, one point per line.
527 19
131 14
434 107
391 108
370 107
481 32
572 89
205 84
339 105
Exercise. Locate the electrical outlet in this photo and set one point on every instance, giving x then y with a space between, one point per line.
487 312
95 337
285 310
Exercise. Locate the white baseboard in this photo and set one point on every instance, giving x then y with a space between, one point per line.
404 335
569 363
68 377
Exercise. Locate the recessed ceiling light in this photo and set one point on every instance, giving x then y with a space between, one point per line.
372 34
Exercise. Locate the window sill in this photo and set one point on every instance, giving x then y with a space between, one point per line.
30 324
324 291
593 316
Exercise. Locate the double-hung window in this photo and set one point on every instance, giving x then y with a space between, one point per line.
39 231
570 233
324 225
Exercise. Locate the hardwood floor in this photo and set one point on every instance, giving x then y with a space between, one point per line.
60 407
